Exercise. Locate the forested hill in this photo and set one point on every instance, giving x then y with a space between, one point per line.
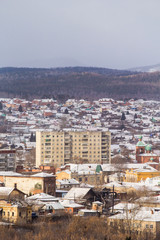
78 82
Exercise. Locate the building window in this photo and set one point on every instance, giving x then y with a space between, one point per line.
12 214
147 226
151 226
19 214
4 213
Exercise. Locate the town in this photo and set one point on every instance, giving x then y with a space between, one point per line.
83 159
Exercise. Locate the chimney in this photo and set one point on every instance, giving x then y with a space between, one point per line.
15 185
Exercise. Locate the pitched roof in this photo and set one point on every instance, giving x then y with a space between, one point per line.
43 174
77 193
142 215
54 205
70 203
41 196
9 173
5 191
141 144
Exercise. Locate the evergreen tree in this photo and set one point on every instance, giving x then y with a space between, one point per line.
20 109
123 117
32 138
10 110
1 106
135 116
66 111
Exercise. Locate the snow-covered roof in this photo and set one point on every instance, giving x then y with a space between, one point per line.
70 203
9 173
5 191
41 196
54 205
68 181
43 174
77 193
111 184
126 206
141 215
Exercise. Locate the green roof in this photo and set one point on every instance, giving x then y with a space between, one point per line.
141 144
153 119
98 169
148 147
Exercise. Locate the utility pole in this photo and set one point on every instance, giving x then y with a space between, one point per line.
113 200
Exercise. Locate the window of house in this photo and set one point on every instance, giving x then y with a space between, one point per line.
151 226
12 214
19 214
147 226
4 213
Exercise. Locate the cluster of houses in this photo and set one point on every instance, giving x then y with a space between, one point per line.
18 126
125 191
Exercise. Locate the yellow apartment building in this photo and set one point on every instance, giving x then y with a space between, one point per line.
137 176
60 147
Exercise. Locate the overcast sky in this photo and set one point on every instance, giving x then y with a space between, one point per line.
104 33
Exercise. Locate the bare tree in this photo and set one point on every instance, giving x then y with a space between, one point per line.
30 158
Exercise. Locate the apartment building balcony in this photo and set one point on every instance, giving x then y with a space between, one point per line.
67 144
104 158
67 152
104 143
84 140
67 148
84 152
84 144
103 151
67 136
104 140
67 156
67 140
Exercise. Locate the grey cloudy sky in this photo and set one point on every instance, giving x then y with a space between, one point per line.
104 33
